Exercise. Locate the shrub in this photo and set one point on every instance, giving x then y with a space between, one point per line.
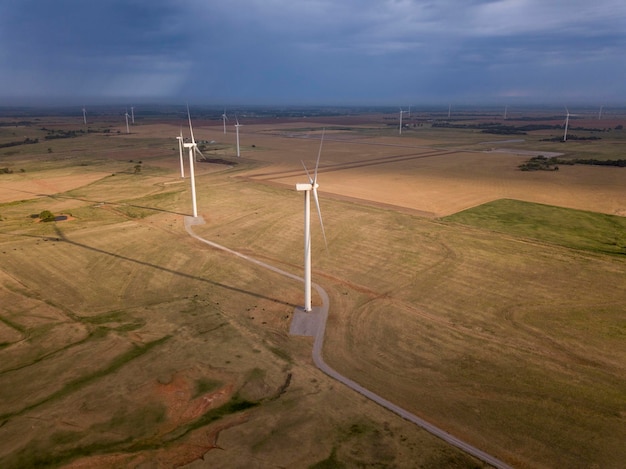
46 215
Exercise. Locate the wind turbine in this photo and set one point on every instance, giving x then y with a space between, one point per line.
84 115
307 188
449 110
237 125
566 124
180 151
127 116
193 149
224 119
400 129
132 114
600 113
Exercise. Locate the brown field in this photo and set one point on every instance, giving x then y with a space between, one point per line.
124 342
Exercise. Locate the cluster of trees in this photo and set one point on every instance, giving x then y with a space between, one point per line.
26 141
570 137
503 129
54 134
591 161
498 128
541 163
16 124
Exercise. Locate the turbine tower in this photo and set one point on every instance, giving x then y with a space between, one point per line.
600 113
224 119
307 188
132 114
237 125
566 124
180 152
193 149
84 115
127 116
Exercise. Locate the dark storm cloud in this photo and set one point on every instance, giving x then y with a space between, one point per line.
353 51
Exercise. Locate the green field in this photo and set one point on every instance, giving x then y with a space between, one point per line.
569 228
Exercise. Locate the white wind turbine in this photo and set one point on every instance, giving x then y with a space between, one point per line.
224 119
400 129
84 115
180 152
237 125
193 149
566 124
307 188
127 116
600 113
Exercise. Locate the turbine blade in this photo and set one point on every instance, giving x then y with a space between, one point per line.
190 127
319 154
196 149
319 214
307 172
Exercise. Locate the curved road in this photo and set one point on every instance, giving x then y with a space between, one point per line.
321 364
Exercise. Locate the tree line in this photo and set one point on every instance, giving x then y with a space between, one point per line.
541 163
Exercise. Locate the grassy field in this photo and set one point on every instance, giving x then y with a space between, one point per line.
124 342
576 229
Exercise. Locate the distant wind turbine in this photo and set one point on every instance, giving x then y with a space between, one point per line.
193 149
127 116
224 119
180 152
307 188
132 114
400 129
449 110
237 125
84 115
566 123
600 113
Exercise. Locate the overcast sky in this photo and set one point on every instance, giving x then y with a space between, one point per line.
329 52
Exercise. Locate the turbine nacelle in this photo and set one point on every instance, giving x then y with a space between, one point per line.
306 186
